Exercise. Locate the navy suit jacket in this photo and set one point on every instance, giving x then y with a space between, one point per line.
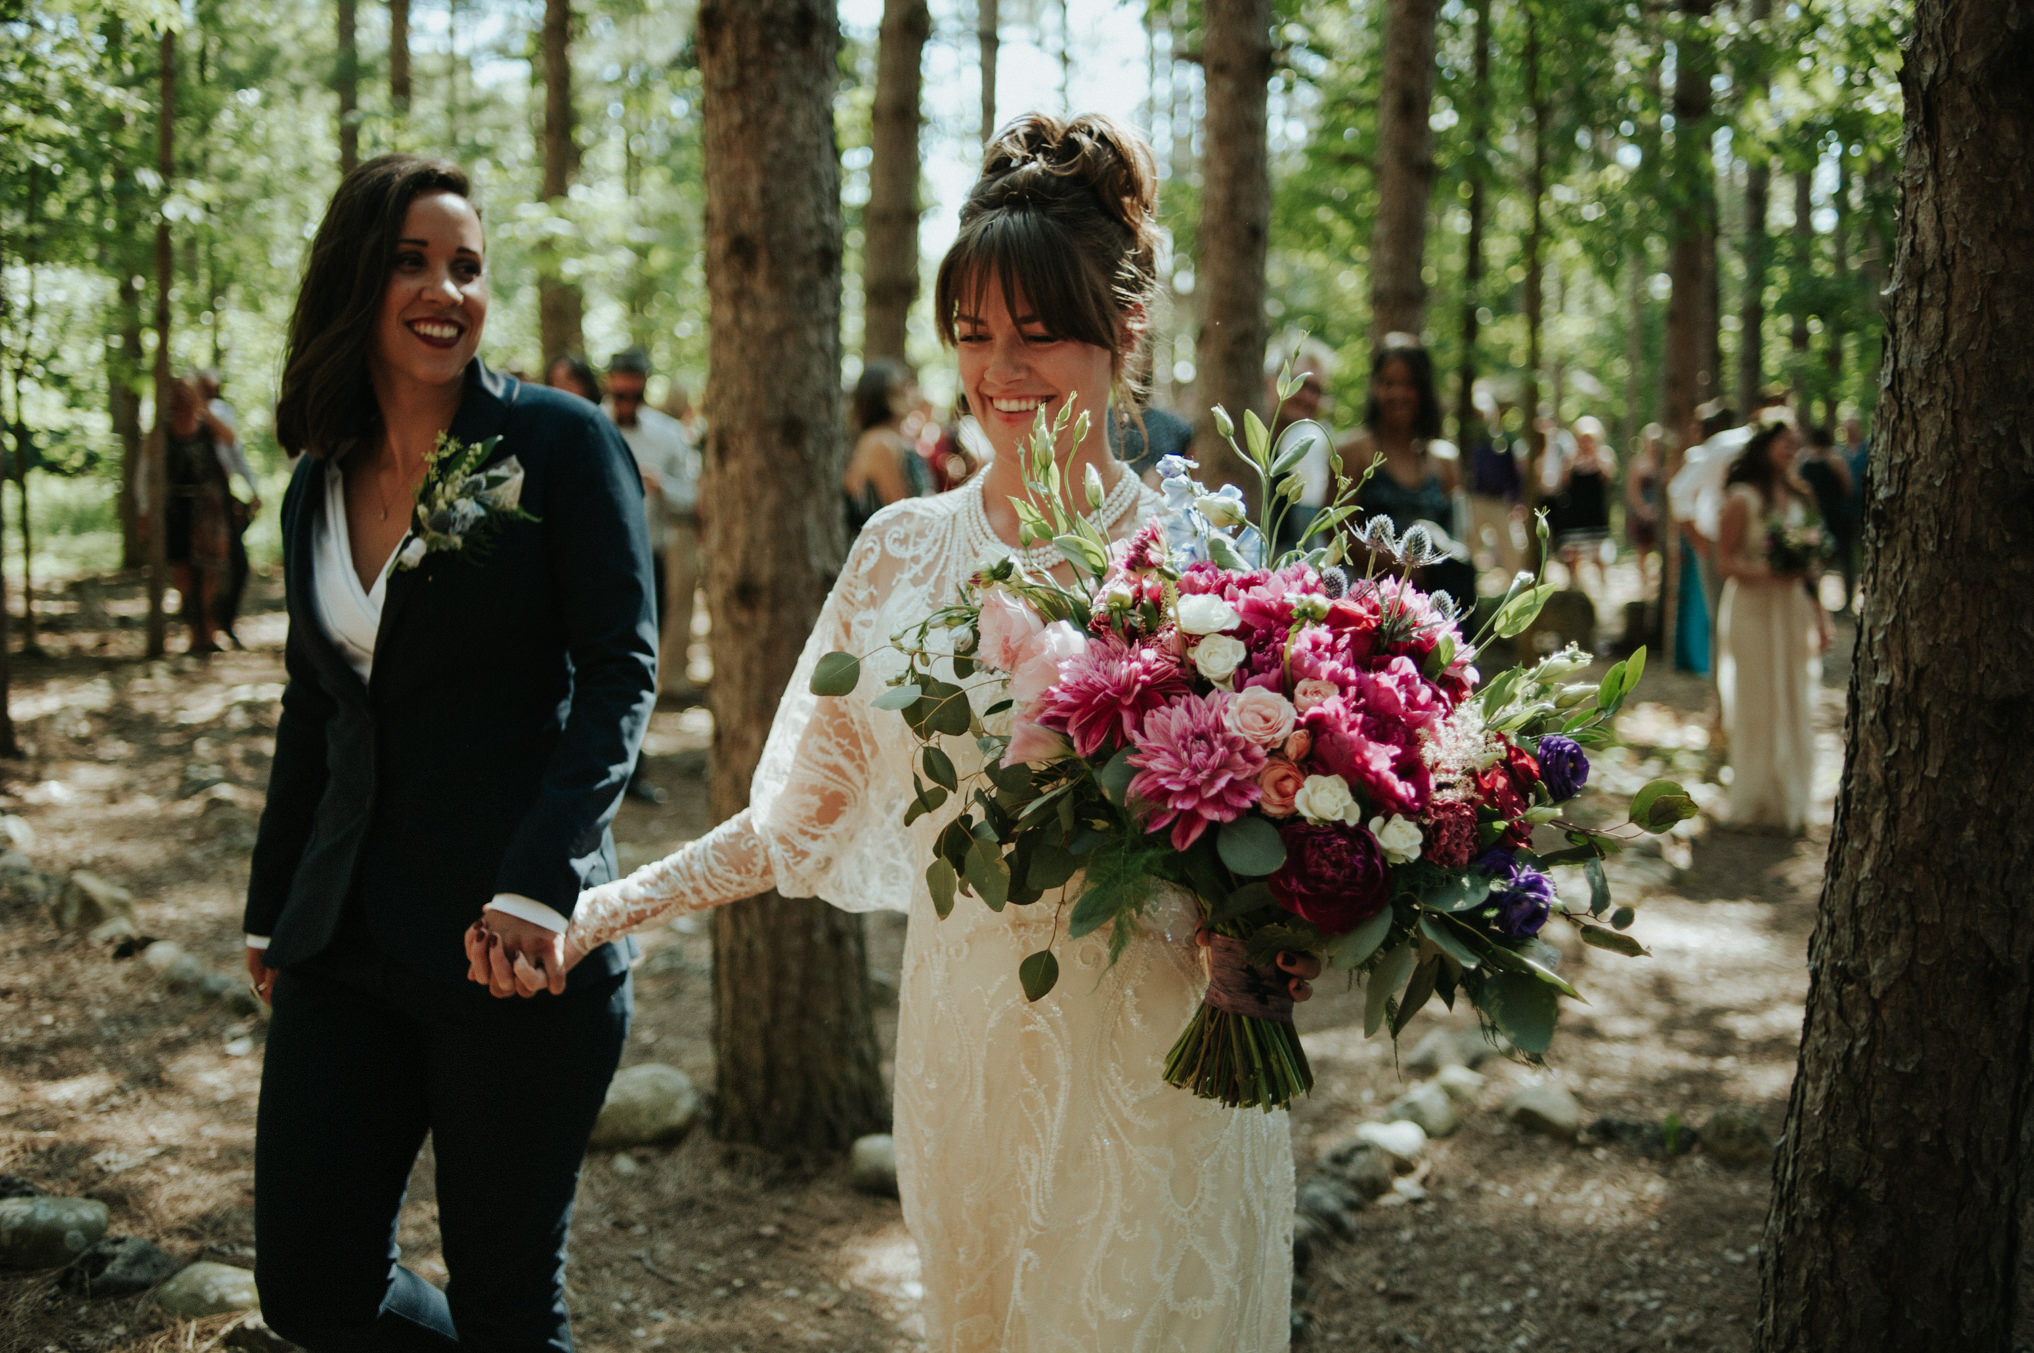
510 693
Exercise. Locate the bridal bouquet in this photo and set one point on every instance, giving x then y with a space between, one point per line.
1302 743
1795 548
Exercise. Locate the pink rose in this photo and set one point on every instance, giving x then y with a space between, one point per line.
1312 692
1279 781
1263 716
1007 624
1037 664
1030 743
1299 744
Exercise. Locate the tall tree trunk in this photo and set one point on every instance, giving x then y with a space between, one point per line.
560 307
1235 227
1635 413
890 241
346 83
8 745
1535 281
157 449
1472 249
399 58
1405 170
1899 1214
988 26
1836 325
1804 273
1751 348
793 1031
117 259
1694 181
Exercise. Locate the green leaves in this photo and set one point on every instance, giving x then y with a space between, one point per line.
1613 941
942 707
1038 974
1661 804
1523 1008
1250 845
940 881
1520 611
987 874
1385 980
939 768
1355 948
836 674
898 697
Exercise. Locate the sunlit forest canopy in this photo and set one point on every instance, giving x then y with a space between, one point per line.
1575 95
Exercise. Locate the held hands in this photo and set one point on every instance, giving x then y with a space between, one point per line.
1301 968
513 957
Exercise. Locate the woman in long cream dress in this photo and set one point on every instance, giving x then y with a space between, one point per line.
1062 1196
1768 627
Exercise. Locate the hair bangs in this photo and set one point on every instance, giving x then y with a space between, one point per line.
1025 255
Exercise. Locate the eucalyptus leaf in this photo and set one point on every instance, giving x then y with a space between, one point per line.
1115 777
1250 845
940 881
1095 909
836 674
988 875
1050 866
939 768
1038 974
1599 886
1613 941
1250 897
1417 991
1523 1009
1660 804
1444 933
898 697
1383 983
1356 947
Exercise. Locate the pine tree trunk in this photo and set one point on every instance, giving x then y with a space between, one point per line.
1535 282
1837 324
988 25
890 242
1804 272
1751 348
792 1031
1694 181
399 58
1235 227
1899 1215
1472 249
346 83
157 448
123 355
1405 170
560 307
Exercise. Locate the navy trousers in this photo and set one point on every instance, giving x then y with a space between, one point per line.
364 1058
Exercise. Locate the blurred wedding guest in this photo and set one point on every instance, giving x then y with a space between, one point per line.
240 510
1420 471
1642 499
1765 624
669 465
1580 522
1142 440
1313 364
679 404
883 466
1823 469
1695 501
574 375
198 525
1496 486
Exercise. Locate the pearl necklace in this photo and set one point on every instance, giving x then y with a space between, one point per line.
1045 556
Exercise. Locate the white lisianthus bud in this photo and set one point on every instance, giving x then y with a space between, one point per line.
1221 511
1118 596
1092 479
1326 798
1571 696
1223 424
1562 665
1398 837
1200 613
1217 657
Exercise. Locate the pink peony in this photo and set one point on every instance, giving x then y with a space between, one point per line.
1007 623
1379 757
1278 783
1263 716
1038 661
1194 768
1105 690
1335 877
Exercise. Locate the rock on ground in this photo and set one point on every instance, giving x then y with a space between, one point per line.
1403 1142
872 1165
1546 1109
45 1232
119 1266
1461 1084
1428 1105
645 1104
88 901
208 1289
1736 1136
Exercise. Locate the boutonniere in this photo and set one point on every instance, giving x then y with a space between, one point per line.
459 505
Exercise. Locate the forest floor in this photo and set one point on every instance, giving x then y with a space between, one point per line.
110 1086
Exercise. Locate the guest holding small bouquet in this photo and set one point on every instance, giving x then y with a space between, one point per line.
472 664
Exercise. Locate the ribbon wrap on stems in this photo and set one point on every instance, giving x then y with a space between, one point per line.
1237 988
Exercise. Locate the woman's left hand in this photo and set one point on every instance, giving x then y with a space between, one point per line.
1300 968
513 957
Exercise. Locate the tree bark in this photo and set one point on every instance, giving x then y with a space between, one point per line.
118 259
399 57
792 1021
1900 1197
890 240
346 83
1804 276
1694 180
1472 249
560 307
1836 325
1751 348
158 442
1235 227
1405 170
988 24
1535 280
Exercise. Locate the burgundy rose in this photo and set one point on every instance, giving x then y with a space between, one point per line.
1451 833
1502 796
1334 877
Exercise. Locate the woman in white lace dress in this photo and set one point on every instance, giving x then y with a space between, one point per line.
1062 1196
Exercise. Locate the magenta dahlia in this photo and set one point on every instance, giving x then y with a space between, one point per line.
1193 767
1105 691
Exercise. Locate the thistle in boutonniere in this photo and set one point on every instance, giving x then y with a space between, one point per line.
459 504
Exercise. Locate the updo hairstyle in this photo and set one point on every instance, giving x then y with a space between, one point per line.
326 404
1063 214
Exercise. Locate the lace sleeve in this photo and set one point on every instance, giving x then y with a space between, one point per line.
825 816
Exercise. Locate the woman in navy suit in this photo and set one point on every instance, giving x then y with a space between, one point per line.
456 733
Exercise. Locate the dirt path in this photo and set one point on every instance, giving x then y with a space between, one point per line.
111 1086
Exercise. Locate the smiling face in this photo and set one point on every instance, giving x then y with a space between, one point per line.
1011 365
1397 393
435 303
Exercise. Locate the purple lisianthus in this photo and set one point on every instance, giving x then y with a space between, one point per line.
1563 767
1524 897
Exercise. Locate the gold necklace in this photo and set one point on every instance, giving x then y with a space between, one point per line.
381 482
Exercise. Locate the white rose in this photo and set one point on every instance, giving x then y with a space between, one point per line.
1216 657
412 555
1399 838
1326 798
1200 613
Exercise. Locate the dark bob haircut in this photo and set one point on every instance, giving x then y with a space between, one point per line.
327 404
1426 418
875 397
1063 216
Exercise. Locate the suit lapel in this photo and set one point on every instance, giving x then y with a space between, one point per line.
338 673
483 413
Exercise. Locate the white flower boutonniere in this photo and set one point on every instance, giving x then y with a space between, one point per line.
459 504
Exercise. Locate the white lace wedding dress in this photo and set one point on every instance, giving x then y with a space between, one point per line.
1063 1197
